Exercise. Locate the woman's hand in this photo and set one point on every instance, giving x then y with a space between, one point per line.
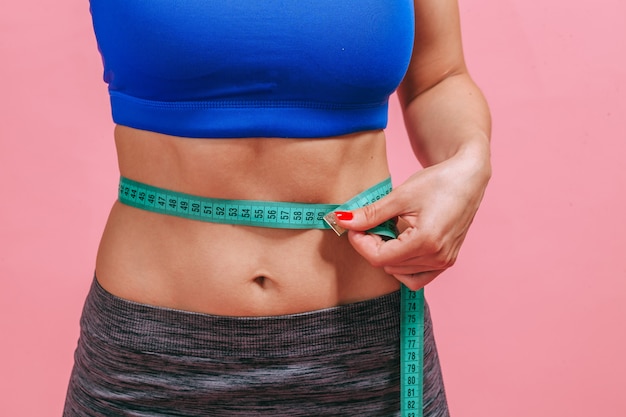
434 207
449 128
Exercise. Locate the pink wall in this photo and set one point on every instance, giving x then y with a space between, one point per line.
531 321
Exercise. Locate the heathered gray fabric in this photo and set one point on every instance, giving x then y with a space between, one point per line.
139 360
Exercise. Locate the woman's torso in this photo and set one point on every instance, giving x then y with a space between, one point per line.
247 71
238 270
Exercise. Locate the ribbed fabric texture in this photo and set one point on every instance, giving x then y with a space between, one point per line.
139 360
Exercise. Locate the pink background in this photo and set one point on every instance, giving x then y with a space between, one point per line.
530 322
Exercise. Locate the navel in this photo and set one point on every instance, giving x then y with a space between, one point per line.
261 281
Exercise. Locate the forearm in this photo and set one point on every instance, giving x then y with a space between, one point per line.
450 119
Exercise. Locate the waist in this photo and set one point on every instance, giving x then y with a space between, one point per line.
239 270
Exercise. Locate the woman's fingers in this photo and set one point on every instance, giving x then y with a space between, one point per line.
417 281
409 249
377 251
372 215
408 270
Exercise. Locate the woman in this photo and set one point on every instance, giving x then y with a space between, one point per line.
276 102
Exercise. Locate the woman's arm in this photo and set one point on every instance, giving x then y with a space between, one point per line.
443 109
448 124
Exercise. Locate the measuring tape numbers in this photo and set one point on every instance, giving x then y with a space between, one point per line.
287 215
284 215
411 352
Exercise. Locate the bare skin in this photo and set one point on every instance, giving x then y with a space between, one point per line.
245 271
235 270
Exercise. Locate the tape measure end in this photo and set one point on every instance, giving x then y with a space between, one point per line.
331 220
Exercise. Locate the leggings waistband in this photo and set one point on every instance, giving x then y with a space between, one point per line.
146 328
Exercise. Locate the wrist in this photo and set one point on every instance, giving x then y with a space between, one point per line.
472 161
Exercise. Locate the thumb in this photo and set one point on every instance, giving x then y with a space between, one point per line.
370 216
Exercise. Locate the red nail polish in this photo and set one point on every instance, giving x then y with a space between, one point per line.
344 215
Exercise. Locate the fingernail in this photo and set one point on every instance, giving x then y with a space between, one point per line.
344 215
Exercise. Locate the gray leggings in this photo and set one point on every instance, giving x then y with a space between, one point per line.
138 360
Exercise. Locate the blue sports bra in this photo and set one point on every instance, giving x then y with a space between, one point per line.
253 68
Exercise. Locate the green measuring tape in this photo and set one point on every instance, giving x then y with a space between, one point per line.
411 352
282 215
287 215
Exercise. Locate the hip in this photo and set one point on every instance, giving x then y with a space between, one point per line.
321 363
